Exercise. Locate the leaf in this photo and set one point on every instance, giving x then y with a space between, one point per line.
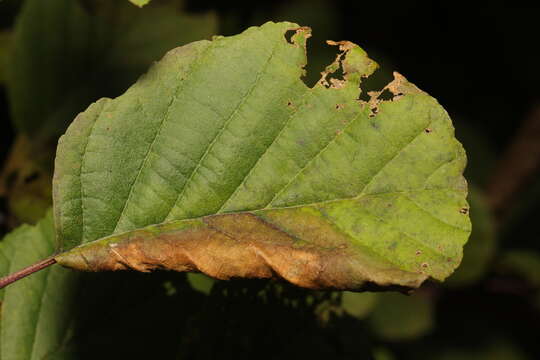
35 310
358 305
524 263
200 282
397 317
481 247
26 181
65 56
140 3
221 160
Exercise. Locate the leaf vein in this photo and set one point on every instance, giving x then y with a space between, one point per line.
432 215
415 240
156 136
280 133
301 170
223 128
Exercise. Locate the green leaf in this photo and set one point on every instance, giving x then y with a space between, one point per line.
65 56
200 282
140 3
221 159
36 310
524 263
358 305
398 317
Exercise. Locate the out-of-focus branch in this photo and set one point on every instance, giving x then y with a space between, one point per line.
517 166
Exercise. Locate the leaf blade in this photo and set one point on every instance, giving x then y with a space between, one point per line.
235 137
35 310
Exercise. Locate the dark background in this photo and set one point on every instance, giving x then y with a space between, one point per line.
481 64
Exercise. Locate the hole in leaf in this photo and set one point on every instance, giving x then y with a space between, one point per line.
386 95
336 77
320 56
288 36
375 82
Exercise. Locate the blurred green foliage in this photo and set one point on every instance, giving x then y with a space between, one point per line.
77 52
80 51
57 56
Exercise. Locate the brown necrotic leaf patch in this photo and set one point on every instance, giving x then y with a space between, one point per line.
239 245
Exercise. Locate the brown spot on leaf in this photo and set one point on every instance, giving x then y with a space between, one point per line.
374 111
428 130
343 45
464 210
337 83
